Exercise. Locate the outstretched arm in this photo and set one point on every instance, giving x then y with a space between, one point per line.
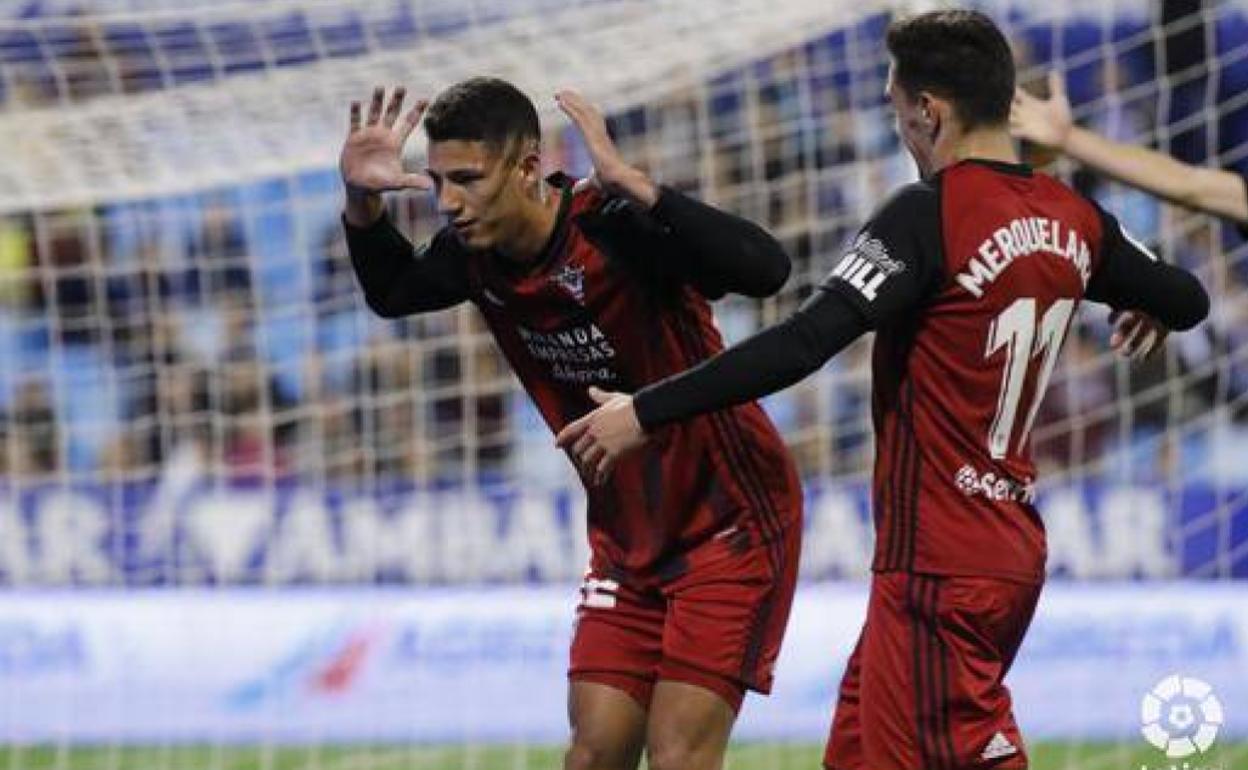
715 251
770 361
1048 123
397 279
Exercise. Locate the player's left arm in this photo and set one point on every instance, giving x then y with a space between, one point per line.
1130 277
714 251
717 252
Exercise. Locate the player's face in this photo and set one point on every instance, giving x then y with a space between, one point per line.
478 191
912 124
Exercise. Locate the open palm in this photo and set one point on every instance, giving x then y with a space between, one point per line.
611 172
371 159
1045 122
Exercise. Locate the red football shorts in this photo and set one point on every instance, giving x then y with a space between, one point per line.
717 625
924 689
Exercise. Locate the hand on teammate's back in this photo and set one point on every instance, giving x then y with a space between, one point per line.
599 439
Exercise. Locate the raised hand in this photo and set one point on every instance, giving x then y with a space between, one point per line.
1136 335
599 439
611 172
371 158
1046 122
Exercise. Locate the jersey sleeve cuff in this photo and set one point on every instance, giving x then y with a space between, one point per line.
648 409
381 224
380 234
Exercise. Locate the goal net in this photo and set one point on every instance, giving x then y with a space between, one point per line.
243 523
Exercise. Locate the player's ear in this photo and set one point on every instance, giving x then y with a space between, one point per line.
532 165
935 113
530 169
926 106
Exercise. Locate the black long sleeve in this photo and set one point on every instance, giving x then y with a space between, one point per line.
771 360
399 280
1129 277
718 252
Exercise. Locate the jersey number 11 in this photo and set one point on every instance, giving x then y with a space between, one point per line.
1015 330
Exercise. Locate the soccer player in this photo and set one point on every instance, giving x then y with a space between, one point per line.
970 278
695 542
1048 124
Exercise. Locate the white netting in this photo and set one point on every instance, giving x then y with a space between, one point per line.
192 393
221 97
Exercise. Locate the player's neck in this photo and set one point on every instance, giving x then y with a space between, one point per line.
982 144
539 219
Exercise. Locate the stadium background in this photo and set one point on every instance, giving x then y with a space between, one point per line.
245 524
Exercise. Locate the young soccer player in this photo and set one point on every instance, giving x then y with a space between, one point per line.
695 542
969 278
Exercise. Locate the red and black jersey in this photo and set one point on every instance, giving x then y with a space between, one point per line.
614 300
970 280
998 267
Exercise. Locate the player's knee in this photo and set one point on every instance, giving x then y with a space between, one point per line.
677 754
587 755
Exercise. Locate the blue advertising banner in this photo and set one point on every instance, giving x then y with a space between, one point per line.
488 665
197 534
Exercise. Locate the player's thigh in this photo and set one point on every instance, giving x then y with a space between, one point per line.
727 617
608 728
688 727
890 735
618 641
981 624
932 665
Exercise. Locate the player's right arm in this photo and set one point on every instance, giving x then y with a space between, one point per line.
1128 276
397 279
1048 123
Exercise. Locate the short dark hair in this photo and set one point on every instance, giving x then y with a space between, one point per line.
959 55
482 109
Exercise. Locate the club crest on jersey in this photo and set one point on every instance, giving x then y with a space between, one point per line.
867 265
572 279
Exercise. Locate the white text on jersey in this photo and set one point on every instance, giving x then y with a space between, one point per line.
867 265
1021 238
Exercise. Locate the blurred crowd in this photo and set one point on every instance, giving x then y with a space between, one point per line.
223 330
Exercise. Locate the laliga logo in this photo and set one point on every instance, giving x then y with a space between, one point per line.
1181 716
